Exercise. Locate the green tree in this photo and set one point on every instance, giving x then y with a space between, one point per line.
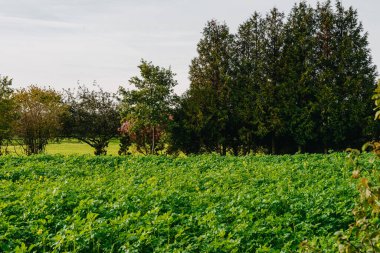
269 98
210 86
7 110
185 130
299 73
346 77
147 110
93 117
39 117
248 74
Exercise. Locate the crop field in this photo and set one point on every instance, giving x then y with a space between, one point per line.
53 203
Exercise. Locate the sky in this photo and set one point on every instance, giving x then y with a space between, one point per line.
63 43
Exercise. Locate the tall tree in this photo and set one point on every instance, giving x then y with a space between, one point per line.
7 110
210 88
93 117
248 74
185 130
39 119
299 75
346 76
147 110
269 99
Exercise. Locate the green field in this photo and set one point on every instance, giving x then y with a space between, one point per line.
69 147
79 148
163 204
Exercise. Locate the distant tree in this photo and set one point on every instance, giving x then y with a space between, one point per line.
248 74
346 77
270 98
7 110
39 114
147 110
210 87
299 75
93 117
185 130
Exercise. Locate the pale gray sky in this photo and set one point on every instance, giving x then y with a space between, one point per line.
58 42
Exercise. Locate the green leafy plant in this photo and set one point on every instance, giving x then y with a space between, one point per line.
364 234
202 203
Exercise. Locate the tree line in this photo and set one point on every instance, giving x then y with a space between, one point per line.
280 84
297 83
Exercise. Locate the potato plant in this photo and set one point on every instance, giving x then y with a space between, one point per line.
163 204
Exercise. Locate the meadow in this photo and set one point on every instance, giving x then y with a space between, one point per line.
55 203
67 147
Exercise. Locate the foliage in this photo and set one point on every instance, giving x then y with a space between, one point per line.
270 97
147 110
376 98
93 117
7 110
39 113
299 83
248 71
346 77
364 234
210 89
165 204
302 83
185 130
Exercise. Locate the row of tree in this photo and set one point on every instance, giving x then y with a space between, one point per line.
302 82
280 84
33 116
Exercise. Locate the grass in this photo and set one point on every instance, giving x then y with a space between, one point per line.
70 147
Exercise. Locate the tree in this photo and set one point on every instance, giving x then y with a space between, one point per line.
7 110
210 87
147 110
185 130
248 74
346 77
269 99
93 117
299 78
39 119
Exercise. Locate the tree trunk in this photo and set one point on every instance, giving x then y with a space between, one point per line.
273 145
153 142
224 150
299 149
236 151
100 150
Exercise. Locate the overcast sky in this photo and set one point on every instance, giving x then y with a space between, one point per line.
60 42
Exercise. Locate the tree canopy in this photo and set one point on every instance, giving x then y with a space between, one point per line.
147 109
39 117
93 117
7 110
301 82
